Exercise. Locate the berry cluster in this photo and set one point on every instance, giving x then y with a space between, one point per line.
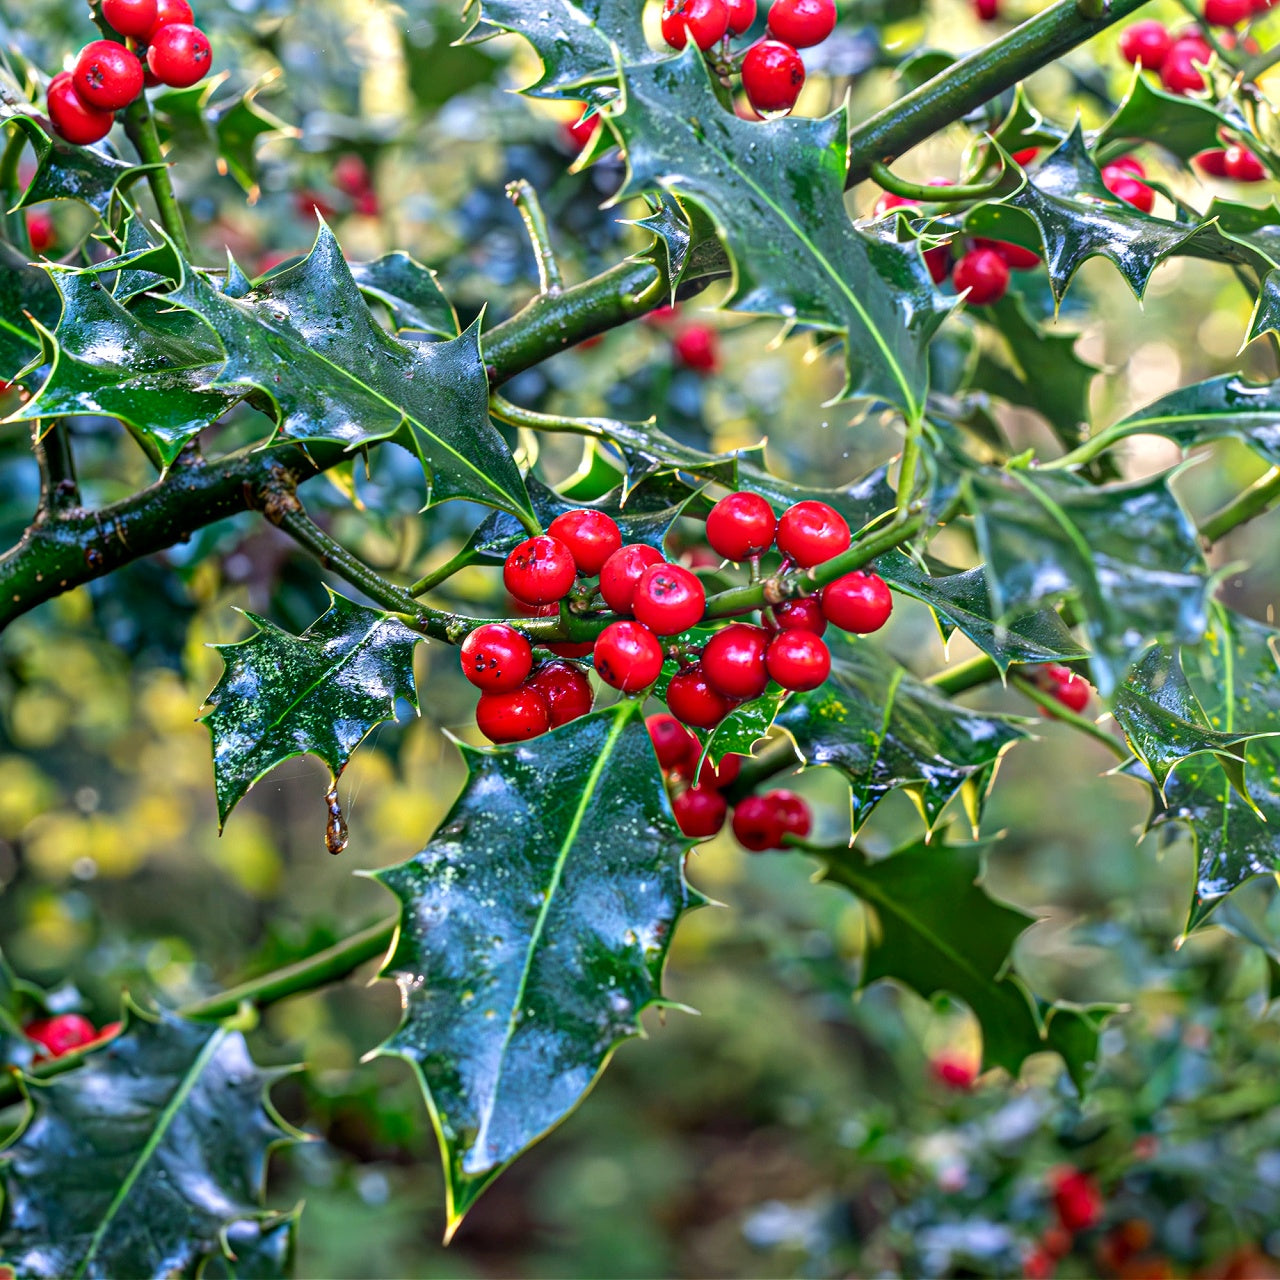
158 45
1063 685
64 1032
1178 58
772 69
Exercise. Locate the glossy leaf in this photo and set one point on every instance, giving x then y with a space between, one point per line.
686 247
534 929
744 726
23 290
319 693
1182 125
409 291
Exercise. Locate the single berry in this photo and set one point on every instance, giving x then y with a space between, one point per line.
984 273
40 231
1214 163
938 260
130 17
1241 165
622 571
742 13
71 118
698 348
540 570
577 133
565 688
859 602
757 825
179 55
673 744
1015 257
311 204
169 12
798 660
986 10
107 76
705 20
591 536
1077 1198
668 599
628 656
1068 688
514 716
351 174
367 204
1124 186
733 661
955 1070
802 23
725 774
1146 44
741 526
496 658
804 614
792 812
692 700
1025 156
699 812
887 202
772 76
1226 13
1130 164
1180 71
812 532
61 1033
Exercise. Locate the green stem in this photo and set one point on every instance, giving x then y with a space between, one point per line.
59 490
140 126
1257 498
14 223
465 557
1058 712
969 674
525 199
885 177
516 416
1261 63
1097 444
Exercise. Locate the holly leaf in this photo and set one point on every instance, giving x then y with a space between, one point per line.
885 730
24 290
1126 553
686 247
240 126
409 291
775 191
861 503
743 727
534 929
317 694
92 175
1182 125
136 1162
306 339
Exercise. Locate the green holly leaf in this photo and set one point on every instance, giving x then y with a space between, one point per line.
142 264
257 1250
240 126
686 247
775 191
1126 553
92 1184
319 693
409 291
534 929
306 339
24 290
1182 125
744 726
885 730
146 364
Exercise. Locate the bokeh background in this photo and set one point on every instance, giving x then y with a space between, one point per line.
795 1127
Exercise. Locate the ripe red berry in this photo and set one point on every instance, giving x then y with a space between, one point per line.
986 10
792 812
40 230
107 76
577 133
628 656
699 811
168 12
756 825
698 348
742 13
130 17
591 536
1025 156
496 658
802 23
1077 1198
1129 164
804 614
859 602
1226 13
72 119
1123 185
179 55
741 526
705 20
798 660
692 700
673 744
514 716
1146 43
720 776
772 76
812 532
984 273
1180 71
566 689
733 661
955 1070
1015 257
540 570
61 1033
1214 163
1068 688
622 571
1241 165
351 174
938 260
668 599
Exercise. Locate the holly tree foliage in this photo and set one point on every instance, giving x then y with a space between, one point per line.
530 932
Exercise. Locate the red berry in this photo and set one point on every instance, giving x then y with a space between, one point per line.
107 76
1214 163
591 536
772 76
887 202
742 13
539 570
984 273
513 716
109 1030
938 260
792 812
1039 1264
700 811
804 614
756 825
721 776
367 204
1146 43
496 658
802 23
812 532
1130 164
698 348
1241 165
1025 156
668 599
741 526
628 656
956 1071
1226 13
859 602
61 1033
1077 1198
673 744
1180 71
577 133
1123 185
130 17
798 660
1016 258
71 118
705 20
168 12
565 688
1068 688
179 55
622 571
986 10
40 231
733 661
351 174
692 700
